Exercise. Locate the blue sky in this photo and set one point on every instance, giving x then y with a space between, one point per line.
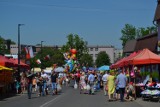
99 22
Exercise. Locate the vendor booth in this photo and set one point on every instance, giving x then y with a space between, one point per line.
139 65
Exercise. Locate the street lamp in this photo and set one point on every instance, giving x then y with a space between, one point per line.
41 56
19 25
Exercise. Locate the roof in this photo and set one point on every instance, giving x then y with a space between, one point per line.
130 46
157 12
145 57
149 41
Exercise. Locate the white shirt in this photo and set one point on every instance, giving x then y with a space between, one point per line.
104 77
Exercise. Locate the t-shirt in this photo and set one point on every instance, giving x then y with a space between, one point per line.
54 77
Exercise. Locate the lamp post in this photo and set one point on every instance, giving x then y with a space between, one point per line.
19 25
41 55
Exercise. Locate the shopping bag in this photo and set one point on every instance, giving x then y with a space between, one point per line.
75 85
59 88
88 87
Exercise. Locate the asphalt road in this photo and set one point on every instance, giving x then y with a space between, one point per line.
71 98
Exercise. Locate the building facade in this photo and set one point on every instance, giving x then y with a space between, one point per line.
93 51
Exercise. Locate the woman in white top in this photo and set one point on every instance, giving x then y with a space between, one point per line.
82 81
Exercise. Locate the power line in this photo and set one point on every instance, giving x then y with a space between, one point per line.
72 7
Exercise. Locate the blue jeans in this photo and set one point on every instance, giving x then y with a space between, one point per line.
54 86
44 87
29 90
98 85
92 87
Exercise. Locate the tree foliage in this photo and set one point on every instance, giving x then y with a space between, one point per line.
102 59
56 57
86 60
3 49
74 41
130 32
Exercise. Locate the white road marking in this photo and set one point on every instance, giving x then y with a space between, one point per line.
47 103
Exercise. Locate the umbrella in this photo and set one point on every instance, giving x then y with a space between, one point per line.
48 71
92 68
104 68
59 69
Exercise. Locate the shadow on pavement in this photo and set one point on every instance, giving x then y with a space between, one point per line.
8 95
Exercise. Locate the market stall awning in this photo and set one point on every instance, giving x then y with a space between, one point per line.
145 57
5 61
15 62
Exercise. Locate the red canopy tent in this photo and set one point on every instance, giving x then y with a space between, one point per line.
131 56
21 63
124 61
5 61
144 57
118 63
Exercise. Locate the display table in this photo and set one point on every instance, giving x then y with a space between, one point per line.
151 93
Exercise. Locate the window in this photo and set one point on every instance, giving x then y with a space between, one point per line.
96 49
91 49
91 55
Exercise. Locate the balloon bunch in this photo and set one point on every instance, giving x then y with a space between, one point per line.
70 59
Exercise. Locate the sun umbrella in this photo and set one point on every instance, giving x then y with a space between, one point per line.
104 68
59 69
92 68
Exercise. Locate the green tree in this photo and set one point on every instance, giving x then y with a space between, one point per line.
129 32
86 59
102 59
145 31
56 57
74 41
3 46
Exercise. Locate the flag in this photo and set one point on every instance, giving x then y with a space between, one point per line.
27 52
38 61
47 57
31 51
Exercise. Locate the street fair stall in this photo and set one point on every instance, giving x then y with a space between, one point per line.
151 92
139 65
5 78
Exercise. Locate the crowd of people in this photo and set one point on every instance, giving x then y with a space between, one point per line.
39 82
114 84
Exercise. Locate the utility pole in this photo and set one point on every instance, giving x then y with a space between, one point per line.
19 47
41 55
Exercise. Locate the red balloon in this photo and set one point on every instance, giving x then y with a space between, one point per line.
73 51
